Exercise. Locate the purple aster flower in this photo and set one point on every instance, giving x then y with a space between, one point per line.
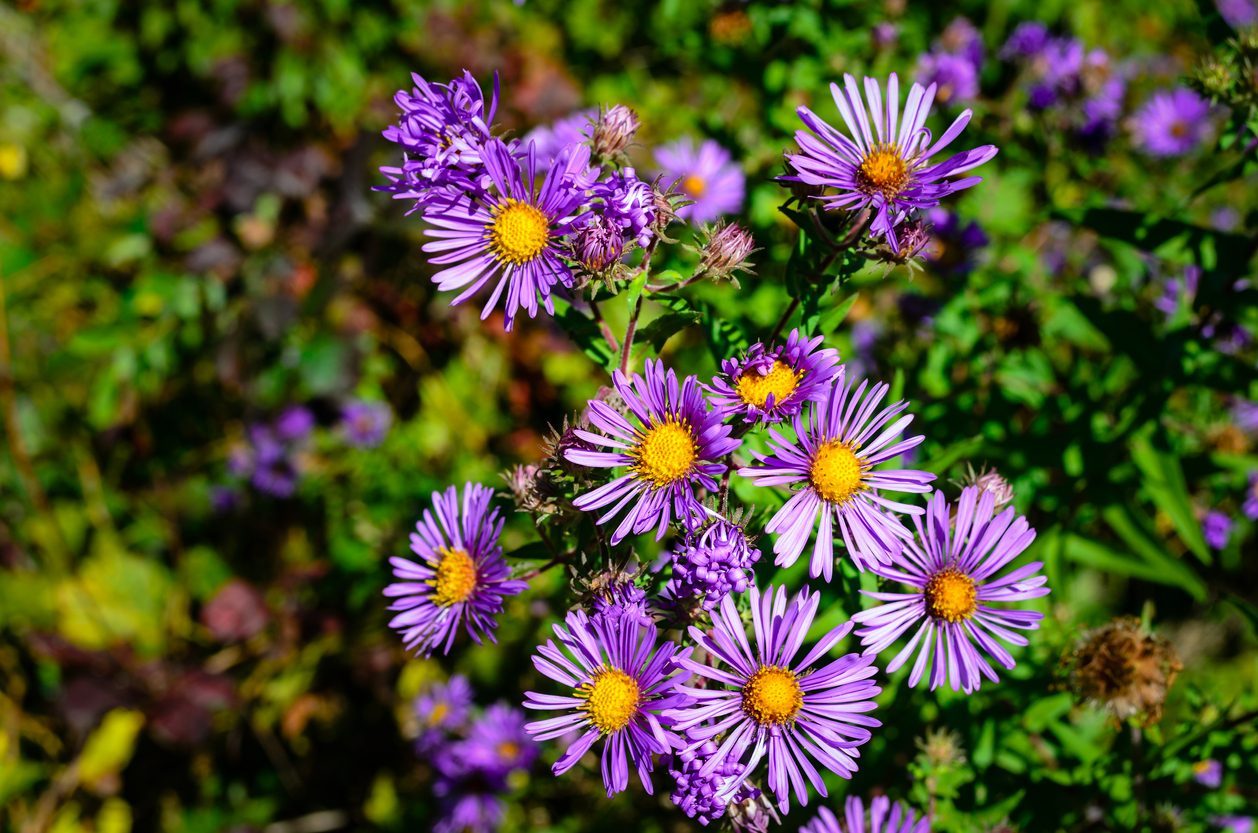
512 237
475 811
839 445
442 131
1217 528
1208 773
882 817
1250 507
573 129
951 569
1028 40
1234 824
675 446
697 793
622 599
1245 415
954 77
1239 14
444 706
461 578
365 423
769 384
498 743
885 165
294 424
1102 111
1172 123
885 35
712 563
271 467
706 174
961 38
598 243
767 702
621 679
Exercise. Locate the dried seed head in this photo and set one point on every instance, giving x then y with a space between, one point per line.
1125 669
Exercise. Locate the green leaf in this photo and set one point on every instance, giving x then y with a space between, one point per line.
1164 483
585 333
1142 541
110 747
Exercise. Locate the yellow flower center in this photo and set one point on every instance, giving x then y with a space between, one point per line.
836 472
780 381
666 453
694 186
883 170
439 713
455 579
611 699
951 596
508 750
519 232
772 695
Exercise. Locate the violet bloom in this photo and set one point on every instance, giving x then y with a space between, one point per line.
712 563
622 600
461 578
627 203
1239 14
950 571
674 447
498 742
442 131
511 238
1250 506
771 383
886 163
294 424
620 678
1245 415
707 175
961 38
839 444
467 809
1208 773
365 423
549 140
954 77
768 702
1172 123
881 817
1216 527
1027 40
441 708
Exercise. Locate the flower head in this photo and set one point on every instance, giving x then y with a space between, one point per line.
551 139
1217 528
1250 506
712 563
881 817
771 383
498 743
886 163
613 131
954 77
1125 669
1172 123
442 131
511 238
955 580
627 203
698 793
1027 40
705 174
461 577
674 447
769 701
1208 773
365 423
839 444
620 680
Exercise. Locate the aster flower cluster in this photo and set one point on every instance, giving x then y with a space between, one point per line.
954 62
694 667
1081 86
269 459
473 752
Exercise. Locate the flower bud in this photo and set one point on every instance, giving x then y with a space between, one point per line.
725 251
613 131
598 244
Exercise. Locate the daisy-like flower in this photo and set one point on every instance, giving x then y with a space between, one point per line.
705 174
771 383
674 447
512 237
882 817
886 163
951 571
621 678
1172 123
497 742
840 442
461 577
768 702
573 129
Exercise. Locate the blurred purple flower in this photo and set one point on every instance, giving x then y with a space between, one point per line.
497 743
1250 507
365 424
955 76
549 140
961 38
1172 123
1217 528
294 424
444 707
955 245
707 175
1245 415
1027 40
1239 14
1208 773
1234 824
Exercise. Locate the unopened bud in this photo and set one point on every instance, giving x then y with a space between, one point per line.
613 131
726 250
598 244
